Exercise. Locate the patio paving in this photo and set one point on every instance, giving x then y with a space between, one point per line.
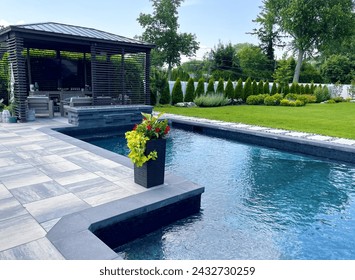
43 178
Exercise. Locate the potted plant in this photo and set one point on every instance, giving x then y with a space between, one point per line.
11 109
147 145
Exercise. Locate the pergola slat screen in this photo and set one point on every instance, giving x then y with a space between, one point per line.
15 47
118 74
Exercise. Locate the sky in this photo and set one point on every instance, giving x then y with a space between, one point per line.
212 21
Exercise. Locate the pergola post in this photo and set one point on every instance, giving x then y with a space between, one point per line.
15 48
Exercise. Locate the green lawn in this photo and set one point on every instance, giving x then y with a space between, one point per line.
326 119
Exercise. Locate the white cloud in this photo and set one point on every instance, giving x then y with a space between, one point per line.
4 22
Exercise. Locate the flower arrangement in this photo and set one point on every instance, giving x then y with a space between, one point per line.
150 128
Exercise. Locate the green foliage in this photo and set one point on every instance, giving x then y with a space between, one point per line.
254 87
211 100
229 90
309 72
256 99
253 62
220 86
4 77
210 86
176 94
261 87
161 28
238 90
165 97
291 103
307 89
266 87
179 73
248 90
158 82
334 22
190 91
322 94
273 100
286 89
273 88
305 98
224 63
293 88
200 89
338 68
283 73
149 129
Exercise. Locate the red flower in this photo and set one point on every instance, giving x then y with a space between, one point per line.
167 129
149 127
157 129
135 126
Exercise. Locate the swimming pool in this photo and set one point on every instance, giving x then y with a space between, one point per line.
259 203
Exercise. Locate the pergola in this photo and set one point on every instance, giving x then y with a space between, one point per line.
61 57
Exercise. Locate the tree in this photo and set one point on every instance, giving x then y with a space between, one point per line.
220 86
165 97
210 86
261 87
253 62
338 68
200 89
273 88
248 90
229 90
223 59
255 88
312 25
157 85
283 73
238 91
161 29
266 87
190 91
176 94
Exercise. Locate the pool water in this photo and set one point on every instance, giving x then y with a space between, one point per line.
258 203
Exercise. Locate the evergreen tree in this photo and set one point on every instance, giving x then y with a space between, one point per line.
255 88
190 91
238 91
229 91
266 87
261 87
165 94
210 86
293 88
177 95
298 88
307 89
220 86
312 88
200 89
286 89
248 90
273 88
302 89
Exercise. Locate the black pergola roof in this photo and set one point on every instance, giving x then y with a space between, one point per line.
65 37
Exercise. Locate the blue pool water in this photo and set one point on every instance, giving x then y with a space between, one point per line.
258 203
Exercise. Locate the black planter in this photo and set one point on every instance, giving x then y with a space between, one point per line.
152 172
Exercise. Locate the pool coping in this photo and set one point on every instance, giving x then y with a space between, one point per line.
73 234
255 135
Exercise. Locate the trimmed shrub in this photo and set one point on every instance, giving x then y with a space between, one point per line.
293 88
177 95
322 94
273 100
256 99
247 89
165 94
338 99
220 86
190 91
211 100
238 91
331 101
210 87
266 87
254 87
229 90
261 87
273 88
286 89
200 89
307 89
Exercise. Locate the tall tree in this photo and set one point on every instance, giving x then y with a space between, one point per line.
312 24
161 28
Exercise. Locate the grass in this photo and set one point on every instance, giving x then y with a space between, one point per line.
336 120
